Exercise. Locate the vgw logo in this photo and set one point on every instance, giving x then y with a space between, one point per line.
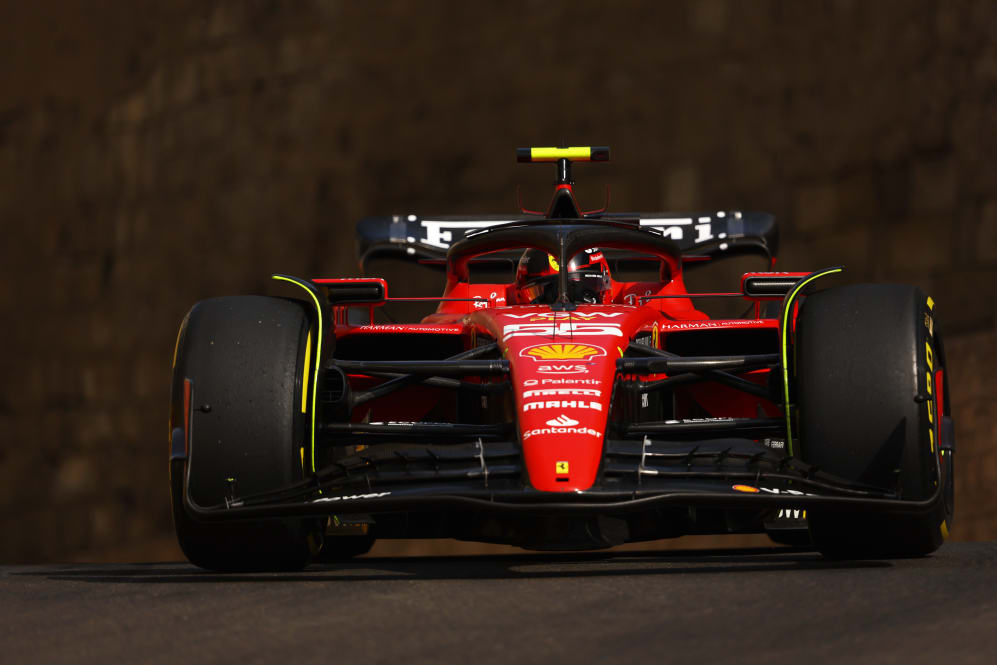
567 317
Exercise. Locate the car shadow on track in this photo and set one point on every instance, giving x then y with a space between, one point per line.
484 567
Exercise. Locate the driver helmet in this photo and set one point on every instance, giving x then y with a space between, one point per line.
588 277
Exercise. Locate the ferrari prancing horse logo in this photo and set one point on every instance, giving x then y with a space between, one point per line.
561 468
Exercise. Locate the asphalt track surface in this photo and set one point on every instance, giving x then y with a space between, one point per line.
743 606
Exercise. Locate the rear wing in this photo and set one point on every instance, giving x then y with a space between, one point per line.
702 234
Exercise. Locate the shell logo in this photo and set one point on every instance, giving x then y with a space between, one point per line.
563 352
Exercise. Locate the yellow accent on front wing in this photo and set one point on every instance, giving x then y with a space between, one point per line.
173 366
576 153
945 530
318 354
176 345
304 376
783 343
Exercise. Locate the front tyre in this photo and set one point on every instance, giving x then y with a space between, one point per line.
244 357
868 363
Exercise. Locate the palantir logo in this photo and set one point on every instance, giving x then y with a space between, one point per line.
562 421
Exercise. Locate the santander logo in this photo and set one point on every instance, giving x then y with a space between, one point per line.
562 421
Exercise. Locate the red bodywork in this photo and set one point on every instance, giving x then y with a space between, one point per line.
563 364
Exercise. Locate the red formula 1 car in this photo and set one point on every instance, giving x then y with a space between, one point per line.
566 393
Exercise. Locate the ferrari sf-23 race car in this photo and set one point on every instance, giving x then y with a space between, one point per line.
566 393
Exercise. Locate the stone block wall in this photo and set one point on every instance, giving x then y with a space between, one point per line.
152 154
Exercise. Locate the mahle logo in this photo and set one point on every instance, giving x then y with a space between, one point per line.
562 352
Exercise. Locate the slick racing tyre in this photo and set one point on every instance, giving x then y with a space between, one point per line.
868 360
244 357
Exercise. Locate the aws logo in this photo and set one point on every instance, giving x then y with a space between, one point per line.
563 368
547 352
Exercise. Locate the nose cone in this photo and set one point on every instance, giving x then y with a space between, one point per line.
563 371
563 411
